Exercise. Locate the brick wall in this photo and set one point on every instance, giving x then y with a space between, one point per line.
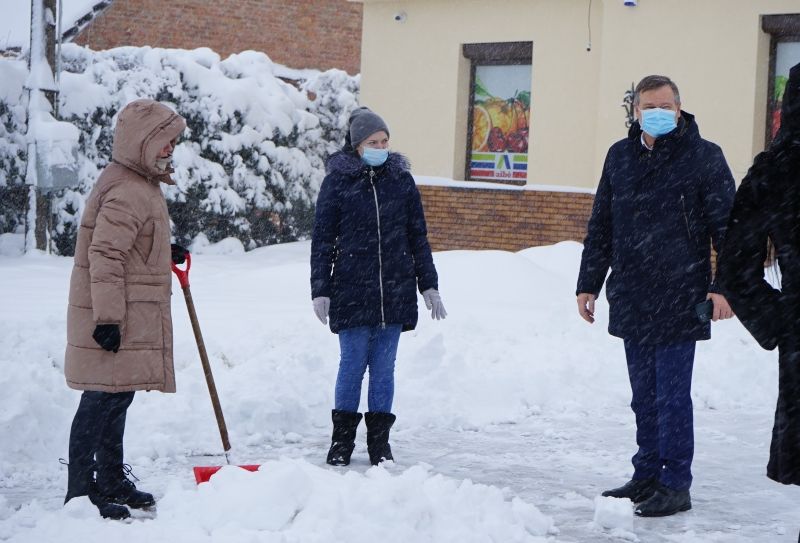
297 33
509 220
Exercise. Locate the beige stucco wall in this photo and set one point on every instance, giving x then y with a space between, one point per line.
413 73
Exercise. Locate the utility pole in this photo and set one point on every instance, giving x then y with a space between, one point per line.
50 15
41 60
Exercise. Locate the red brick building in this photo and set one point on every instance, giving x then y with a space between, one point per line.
462 217
296 33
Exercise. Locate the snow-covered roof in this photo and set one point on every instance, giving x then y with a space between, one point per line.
16 20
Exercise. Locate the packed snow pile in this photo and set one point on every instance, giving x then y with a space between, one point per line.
250 163
614 514
292 500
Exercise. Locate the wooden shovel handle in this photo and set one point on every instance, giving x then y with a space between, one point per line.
183 277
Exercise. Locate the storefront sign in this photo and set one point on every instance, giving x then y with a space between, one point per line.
500 135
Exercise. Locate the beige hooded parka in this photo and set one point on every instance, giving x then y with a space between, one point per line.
122 262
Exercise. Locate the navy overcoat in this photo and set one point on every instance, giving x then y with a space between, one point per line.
369 249
654 218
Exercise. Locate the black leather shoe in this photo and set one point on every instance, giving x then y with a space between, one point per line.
636 490
665 502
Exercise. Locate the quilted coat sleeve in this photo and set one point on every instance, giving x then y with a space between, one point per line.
424 268
323 238
114 234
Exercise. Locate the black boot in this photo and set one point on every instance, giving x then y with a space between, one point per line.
636 490
96 431
665 502
107 508
378 426
80 482
343 440
115 486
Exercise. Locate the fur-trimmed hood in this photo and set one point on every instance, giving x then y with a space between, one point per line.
348 163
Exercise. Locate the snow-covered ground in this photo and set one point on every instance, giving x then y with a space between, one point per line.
512 416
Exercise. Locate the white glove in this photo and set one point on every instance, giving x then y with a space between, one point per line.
322 305
434 302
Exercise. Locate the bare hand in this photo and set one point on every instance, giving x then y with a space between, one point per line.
722 310
586 306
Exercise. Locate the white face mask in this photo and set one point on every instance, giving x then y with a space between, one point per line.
163 164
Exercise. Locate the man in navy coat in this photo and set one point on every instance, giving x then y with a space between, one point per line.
663 199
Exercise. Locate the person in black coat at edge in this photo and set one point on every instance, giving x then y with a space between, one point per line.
369 254
766 213
664 196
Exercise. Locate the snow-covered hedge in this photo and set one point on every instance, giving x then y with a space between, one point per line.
13 153
252 159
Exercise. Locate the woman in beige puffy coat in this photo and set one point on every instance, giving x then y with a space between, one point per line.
119 326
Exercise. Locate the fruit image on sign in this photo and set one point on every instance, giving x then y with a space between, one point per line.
481 124
500 122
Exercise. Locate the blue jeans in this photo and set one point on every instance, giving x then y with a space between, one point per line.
362 347
661 381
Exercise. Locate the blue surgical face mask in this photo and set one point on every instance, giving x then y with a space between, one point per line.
374 157
658 122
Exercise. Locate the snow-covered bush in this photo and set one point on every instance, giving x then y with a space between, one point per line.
13 152
252 158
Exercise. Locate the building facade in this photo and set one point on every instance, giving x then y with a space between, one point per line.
529 94
321 34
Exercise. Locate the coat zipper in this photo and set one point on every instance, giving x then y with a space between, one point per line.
380 256
686 217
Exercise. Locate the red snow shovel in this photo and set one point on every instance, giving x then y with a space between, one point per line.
204 473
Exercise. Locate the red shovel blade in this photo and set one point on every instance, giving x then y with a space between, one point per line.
203 473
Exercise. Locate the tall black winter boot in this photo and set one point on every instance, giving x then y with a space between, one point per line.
378 426
344 436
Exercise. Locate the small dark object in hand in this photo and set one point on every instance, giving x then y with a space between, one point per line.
704 310
178 254
107 336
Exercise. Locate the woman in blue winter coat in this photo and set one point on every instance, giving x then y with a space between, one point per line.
369 255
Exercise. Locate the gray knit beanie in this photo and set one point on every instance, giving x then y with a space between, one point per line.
364 123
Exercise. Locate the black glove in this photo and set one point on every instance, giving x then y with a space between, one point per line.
178 254
107 336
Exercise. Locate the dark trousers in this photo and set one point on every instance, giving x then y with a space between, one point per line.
95 440
661 381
